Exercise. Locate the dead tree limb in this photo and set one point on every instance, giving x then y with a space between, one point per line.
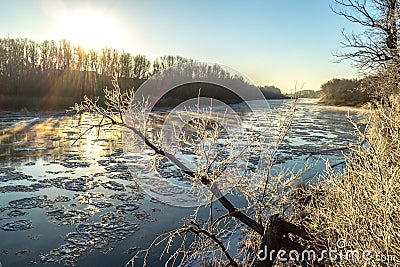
276 238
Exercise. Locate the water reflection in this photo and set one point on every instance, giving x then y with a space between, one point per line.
50 136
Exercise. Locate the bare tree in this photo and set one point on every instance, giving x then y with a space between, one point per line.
125 65
141 66
378 45
168 61
261 221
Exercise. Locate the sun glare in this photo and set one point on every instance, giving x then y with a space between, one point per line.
90 29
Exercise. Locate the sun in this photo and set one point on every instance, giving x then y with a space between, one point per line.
90 29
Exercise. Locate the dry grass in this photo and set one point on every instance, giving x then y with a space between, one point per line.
360 206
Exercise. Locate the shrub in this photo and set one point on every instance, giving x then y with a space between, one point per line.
361 205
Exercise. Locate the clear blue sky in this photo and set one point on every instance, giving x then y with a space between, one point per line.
273 42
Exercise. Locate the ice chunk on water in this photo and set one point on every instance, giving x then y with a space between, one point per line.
26 203
17 225
127 207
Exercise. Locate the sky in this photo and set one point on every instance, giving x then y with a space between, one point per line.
287 43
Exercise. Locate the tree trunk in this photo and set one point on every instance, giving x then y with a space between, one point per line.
275 239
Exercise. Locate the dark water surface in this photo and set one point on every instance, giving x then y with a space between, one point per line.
64 204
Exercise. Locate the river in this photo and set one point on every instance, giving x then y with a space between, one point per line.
52 191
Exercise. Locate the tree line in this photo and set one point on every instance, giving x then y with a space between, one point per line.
60 73
55 69
355 92
343 92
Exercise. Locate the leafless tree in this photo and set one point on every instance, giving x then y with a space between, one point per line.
259 223
141 66
378 45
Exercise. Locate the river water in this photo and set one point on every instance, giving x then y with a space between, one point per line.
52 193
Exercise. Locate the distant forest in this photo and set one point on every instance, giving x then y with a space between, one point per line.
56 74
348 92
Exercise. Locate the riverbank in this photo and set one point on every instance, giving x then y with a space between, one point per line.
358 207
35 103
56 103
337 104
340 102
